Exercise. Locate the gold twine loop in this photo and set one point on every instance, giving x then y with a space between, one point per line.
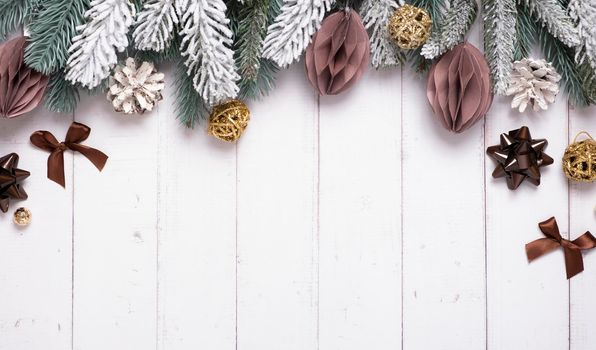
579 160
228 121
409 27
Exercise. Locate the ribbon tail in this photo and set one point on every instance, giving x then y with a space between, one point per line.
574 263
540 247
56 167
97 157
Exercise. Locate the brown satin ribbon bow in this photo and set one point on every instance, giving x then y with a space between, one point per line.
76 134
574 262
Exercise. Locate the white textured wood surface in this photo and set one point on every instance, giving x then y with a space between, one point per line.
336 223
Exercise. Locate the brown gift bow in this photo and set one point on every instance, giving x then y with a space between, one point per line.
21 88
574 262
76 134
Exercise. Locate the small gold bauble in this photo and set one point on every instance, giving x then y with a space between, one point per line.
228 120
22 217
409 27
579 160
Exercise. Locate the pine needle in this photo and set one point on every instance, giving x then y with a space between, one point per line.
61 96
190 106
52 33
563 60
499 40
526 34
12 14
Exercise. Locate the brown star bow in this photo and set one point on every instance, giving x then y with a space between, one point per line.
519 157
10 176
574 262
76 134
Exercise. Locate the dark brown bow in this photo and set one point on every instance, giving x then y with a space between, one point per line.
76 134
574 262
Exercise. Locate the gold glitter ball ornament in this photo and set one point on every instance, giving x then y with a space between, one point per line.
22 217
579 160
409 27
228 120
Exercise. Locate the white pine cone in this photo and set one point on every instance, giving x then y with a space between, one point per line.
134 91
533 81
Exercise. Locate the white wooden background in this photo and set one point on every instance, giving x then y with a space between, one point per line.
336 223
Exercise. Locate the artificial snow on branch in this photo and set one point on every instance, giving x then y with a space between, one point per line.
155 25
554 17
94 51
375 15
290 34
583 13
499 40
206 42
457 22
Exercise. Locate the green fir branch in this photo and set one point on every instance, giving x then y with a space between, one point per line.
526 33
249 24
190 106
12 14
562 58
436 9
60 95
52 33
588 75
170 53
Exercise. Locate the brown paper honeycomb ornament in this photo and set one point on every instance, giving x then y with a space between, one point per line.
228 120
579 160
409 27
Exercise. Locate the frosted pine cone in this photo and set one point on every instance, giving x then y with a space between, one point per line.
533 81
134 91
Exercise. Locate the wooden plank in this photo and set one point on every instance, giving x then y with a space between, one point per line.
360 226
197 245
527 303
277 222
115 231
581 215
36 269
443 220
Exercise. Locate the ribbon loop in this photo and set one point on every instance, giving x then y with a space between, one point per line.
76 133
574 263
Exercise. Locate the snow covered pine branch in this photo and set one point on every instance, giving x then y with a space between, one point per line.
93 52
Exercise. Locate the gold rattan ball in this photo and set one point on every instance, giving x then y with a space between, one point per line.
409 27
228 120
579 160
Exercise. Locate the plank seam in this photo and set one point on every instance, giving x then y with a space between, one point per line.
401 151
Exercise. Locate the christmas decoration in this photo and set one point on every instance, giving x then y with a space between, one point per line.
257 74
154 29
21 88
51 34
22 216
579 160
457 22
554 17
574 262
533 82
93 51
375 15
500 17
338 54
206 41
519 157
583 13
135 90
229 120
76 134
291 32
458 88
409 27
10 180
